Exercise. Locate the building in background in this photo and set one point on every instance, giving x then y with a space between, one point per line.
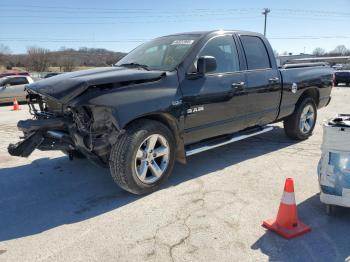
285 59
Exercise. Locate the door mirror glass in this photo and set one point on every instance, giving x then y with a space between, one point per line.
206 64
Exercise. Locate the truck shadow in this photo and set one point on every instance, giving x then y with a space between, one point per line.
51 192
328 241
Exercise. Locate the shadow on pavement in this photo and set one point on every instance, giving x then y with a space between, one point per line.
329 239
51 192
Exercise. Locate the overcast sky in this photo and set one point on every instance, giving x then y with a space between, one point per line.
295 26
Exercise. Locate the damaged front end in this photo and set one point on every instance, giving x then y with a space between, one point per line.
87 130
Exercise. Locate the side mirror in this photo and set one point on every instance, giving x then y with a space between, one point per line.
206 64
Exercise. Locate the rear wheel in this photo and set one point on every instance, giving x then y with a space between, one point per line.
143 157
301 123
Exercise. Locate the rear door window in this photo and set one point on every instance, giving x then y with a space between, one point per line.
18 81
255 52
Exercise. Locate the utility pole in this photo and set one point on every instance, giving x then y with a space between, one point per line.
266 11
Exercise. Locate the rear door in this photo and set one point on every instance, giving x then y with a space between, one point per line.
215 102
263 82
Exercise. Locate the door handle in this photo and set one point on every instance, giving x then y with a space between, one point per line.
274 79
238 85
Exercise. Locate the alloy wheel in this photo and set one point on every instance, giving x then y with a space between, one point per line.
152 158
307 119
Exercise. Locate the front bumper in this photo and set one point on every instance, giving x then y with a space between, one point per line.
44 134
59 134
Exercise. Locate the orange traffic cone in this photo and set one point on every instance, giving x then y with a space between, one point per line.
287 223
15 105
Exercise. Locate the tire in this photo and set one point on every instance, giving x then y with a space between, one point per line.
131 155
298 126
75 154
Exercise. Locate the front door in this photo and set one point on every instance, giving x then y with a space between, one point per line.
215 102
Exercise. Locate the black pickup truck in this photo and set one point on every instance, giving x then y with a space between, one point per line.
170 98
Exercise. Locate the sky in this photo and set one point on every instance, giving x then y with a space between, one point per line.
297 26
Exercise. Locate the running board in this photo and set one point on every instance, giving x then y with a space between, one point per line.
233 138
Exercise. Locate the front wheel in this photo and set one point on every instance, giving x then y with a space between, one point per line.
143 157
301 123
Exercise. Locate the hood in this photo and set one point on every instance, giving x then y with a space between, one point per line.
67 86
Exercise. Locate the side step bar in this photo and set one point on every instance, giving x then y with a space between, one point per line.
201 147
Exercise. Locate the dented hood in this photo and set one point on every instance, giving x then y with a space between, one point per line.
67 86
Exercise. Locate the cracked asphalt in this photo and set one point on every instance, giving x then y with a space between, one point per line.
53 209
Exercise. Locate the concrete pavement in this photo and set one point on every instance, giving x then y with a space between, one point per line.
53 209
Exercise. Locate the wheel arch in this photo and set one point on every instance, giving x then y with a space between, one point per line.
314 93
170 122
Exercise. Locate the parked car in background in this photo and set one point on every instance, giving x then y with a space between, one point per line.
52 74
13 86
14 73
342 77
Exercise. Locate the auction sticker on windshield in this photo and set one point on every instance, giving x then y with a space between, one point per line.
182 42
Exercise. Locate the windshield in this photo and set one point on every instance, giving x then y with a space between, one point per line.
163 53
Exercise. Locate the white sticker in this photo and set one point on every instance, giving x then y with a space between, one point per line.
182 42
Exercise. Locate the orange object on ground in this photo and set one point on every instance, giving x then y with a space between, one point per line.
287 223
15 105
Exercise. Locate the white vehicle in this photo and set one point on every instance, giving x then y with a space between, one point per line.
13 87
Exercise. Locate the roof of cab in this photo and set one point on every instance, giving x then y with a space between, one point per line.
204 33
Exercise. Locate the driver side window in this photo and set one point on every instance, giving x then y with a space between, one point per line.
223 48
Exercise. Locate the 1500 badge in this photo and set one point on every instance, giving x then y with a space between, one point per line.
195 109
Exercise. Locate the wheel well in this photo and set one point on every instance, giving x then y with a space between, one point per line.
313 93
169 122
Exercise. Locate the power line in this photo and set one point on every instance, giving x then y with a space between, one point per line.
310 37
117 22
72 10
80 40
36 7
115 17
139 11
76 16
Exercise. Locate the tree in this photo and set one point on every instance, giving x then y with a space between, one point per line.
319 51
67 63
5 51
340 50
37 59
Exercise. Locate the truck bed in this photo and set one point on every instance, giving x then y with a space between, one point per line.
295 81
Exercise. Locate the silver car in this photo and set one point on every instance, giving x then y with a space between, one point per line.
13 87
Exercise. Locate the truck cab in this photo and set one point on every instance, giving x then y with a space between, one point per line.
244 89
